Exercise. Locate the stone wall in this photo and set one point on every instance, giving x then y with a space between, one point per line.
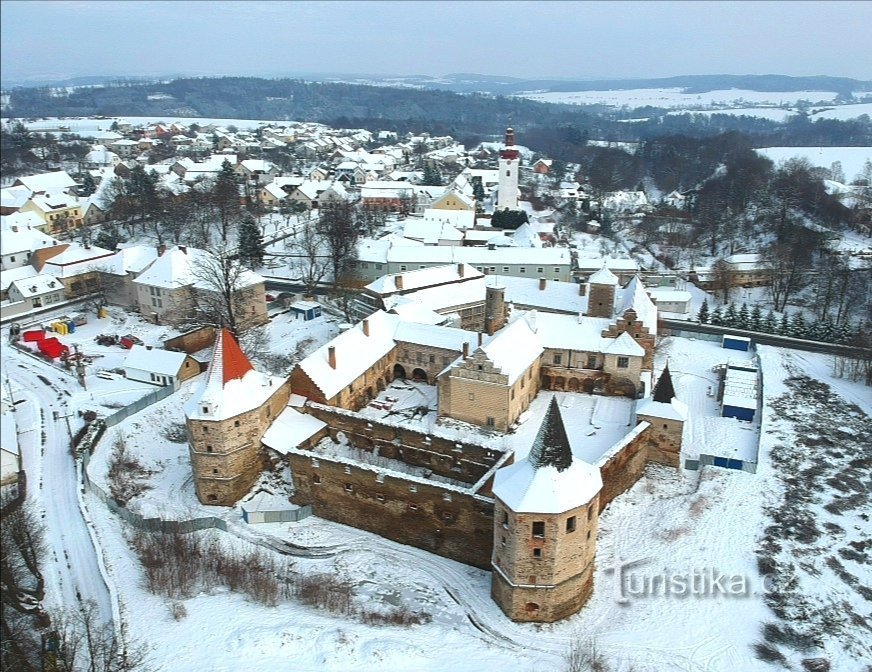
193 341
440 519
461 461
663 439
624 464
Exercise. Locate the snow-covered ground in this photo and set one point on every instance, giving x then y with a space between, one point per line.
676 98
851 158
86 125
841 112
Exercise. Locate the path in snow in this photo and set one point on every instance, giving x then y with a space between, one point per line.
70 567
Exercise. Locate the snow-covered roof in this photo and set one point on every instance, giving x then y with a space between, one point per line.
23 240
603 277
412 311
14 197
55 182
583 334
232 386
560 297
514 348
590 264
447 338
154 360
549 480
740 386
635 297
430 232
54 201
9 276
290 429
188 266
36 285
423 278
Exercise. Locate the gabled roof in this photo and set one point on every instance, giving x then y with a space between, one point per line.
514 348
635 297
55 182
603 277
154 360
178 267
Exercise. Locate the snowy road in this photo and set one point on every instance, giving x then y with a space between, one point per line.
70 567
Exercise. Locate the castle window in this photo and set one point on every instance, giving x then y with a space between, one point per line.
205 409
349 487
539 529
531 607
537 552
214 471
508 173
503 541
447 516
380 498
570 524
432 359
379 478
472 396
588 534
589 511
413 488
506 520
316 479
212 498
205 430
236 423
513 393
413 507
347 470
315 462
623 362
558 359
208 449
665 426
489 421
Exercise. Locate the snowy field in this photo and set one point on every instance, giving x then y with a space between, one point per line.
843 112
87 125
676 98
851 158
771 113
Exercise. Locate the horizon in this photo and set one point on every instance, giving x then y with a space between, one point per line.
586 40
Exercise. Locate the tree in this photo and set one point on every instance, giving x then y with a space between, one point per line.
225 198
798 327
250 243
312 262
703 315
432 177
717 317
731 316
89 186
336 226
508 219
784 324
786 266
743 318
722 278
755 321
770 326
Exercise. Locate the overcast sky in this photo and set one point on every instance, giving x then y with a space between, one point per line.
582 40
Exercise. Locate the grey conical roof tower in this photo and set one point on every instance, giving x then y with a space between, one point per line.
663 390
551 447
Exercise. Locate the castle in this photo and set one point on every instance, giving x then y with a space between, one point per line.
483 484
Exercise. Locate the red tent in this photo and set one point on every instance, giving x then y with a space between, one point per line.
52 347
31 336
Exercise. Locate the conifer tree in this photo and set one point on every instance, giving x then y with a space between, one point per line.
89 186
717 317
798 328
743 319
784 325
755 322
250 243
703 316
825 329
731 316
842 333
770 325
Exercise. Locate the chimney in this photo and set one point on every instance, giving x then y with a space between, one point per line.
460 270
542 282
582 289
465 349
398 281
183 248
480 338
365 328
161 249
331 356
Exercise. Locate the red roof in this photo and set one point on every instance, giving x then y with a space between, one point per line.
234 362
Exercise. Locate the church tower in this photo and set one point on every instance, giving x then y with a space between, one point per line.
545 525
226 418
507 195
601 295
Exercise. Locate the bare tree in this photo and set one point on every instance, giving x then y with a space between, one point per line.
786 273
312 261
337 227
723 279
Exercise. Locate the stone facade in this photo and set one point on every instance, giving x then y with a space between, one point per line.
476 391
601 302
543 563
226 455
358 393
630 324
663 439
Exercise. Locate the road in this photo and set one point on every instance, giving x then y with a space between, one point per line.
70 568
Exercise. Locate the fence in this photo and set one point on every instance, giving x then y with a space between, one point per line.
50 362
138 405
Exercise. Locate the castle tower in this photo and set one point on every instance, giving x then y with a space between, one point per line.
507 195
601 295
666 415
226 419
494 308
545 525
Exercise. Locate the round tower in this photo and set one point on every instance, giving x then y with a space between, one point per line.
545 525
494 308
507 194
601 294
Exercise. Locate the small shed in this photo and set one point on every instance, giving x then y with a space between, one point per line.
306 310
265 507
741 343
159 367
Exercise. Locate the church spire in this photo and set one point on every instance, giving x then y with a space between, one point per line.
551 447
664 390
